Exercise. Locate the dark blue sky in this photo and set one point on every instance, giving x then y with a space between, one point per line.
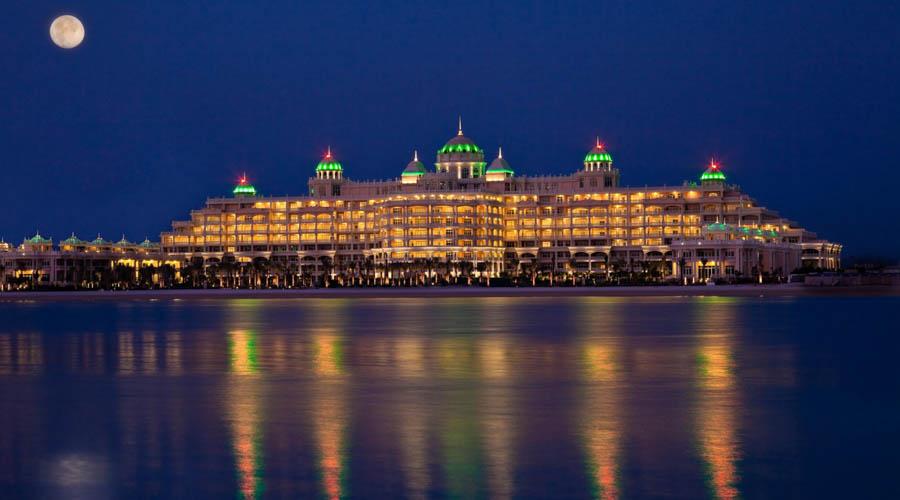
166 102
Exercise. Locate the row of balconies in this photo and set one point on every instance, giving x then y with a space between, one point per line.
199 218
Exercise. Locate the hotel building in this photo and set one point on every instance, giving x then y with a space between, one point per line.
468 214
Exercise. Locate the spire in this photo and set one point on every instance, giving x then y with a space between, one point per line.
460 126
598 142
415 155
328 154
500 152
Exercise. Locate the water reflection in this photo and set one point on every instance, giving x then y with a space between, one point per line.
601 348
245 413
21 353
497 401
495 397
328 402
717 394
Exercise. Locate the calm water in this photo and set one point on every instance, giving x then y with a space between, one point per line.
451 398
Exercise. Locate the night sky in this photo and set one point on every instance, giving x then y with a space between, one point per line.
166 103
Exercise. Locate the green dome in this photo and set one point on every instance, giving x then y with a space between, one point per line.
244 188
500 165
598 153
414 167
329 164
37 239
100 241
460 144
712 174
72 240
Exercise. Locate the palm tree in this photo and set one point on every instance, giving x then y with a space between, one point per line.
465 268
570 263
145 276
482 267
166 275
327 266
212 274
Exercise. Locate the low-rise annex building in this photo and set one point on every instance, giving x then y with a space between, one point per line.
37 261
463 216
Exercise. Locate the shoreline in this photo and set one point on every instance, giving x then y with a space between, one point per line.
783 290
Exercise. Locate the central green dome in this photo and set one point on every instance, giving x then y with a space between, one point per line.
460 144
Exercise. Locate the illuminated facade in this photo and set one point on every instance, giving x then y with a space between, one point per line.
75 262
466 211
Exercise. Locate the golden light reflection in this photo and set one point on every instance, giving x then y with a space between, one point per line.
718 399
413 431
21 353
148 356
330 422
602 413
244 402
126 353
409 357
327 354
497 414
173 353
242 347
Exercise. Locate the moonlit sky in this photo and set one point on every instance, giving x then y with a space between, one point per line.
166 103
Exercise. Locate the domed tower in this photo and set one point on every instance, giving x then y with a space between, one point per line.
499 169
243 188
461 157
414 169
598 159
329 177
712 176
598 169
329 167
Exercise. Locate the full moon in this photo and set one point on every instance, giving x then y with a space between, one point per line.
67 31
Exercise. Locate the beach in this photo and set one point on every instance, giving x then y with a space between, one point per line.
459 291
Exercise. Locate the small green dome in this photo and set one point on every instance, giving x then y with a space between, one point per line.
597 154
244 188
499 165
414 167
37 239
712 174
72 240
329 164
99 241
